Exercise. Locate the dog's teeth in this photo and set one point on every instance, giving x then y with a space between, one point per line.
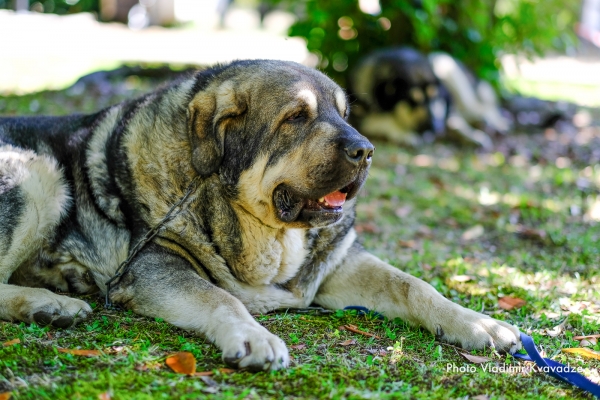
322 199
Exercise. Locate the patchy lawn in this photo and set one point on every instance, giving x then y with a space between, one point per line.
521 221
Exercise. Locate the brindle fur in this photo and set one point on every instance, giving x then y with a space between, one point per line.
264 138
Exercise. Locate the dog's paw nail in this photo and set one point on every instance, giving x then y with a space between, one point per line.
42 318
63 322
439 332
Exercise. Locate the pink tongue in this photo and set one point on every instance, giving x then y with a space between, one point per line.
336 199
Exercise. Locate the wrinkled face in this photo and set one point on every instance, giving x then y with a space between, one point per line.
290 155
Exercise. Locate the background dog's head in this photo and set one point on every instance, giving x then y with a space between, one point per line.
400 81
277 135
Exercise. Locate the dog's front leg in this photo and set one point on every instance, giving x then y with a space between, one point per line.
364 280
162 285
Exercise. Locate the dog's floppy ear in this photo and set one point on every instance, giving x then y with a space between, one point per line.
209 114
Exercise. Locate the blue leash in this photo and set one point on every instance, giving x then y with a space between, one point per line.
551 367
556 369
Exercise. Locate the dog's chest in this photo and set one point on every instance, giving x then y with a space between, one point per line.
270 256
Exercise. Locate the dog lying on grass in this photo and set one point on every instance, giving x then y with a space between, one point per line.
403 94
265 169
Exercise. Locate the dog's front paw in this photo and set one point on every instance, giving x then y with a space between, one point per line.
46 308
472 330
254 347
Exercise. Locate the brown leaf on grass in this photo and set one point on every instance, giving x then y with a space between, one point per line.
227 370
437 182
348 342
531 233
354 328
475 359
78 352
409 244
104 396
586 337
5 396
11 342
583 352
367 227
204 373
300 346
557 330
508 303
183 362
481 397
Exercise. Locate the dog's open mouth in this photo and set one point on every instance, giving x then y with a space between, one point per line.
332 201
292 207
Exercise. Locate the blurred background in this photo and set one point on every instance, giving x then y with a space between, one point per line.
547 49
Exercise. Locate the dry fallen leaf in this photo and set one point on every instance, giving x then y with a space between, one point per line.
586 337
298 346
11 342
508 303
583 352
409 244
348 342
204 373
531 233
481 397
353 328
77 352
557 330
183 362
227 370
104 396
367 227
5 396
475 359
472 233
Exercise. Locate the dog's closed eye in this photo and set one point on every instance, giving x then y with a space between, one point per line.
297 117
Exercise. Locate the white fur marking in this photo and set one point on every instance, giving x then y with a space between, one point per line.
309 97
340 101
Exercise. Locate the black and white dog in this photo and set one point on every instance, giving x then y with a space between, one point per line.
403 95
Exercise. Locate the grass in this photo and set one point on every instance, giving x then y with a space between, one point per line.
518 221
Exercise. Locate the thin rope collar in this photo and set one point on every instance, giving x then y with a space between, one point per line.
175 210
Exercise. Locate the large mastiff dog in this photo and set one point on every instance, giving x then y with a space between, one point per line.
271 169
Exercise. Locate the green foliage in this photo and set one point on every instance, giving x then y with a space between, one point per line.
58 6
474 31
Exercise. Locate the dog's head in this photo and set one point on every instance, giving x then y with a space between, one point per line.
277 135
401 81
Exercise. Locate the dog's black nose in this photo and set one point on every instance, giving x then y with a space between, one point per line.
359 151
